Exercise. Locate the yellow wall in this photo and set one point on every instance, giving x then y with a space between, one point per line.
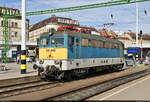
53 53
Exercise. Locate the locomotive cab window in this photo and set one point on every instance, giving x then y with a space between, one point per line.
71 41
77 42
57 41
44 41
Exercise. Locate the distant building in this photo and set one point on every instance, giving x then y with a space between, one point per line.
129 40
118 32
14 25
55 22
10 11
14 31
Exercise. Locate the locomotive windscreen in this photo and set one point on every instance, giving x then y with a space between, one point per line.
57 41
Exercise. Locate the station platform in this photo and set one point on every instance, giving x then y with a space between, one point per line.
13 70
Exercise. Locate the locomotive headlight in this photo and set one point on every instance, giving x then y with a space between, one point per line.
56 62
41 61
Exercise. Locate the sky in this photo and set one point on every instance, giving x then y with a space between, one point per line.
124 16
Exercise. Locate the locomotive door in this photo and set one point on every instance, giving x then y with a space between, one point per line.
77 47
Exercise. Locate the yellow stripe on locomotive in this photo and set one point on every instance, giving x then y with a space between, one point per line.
53 53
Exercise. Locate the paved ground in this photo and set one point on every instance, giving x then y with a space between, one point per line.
136 90
14 70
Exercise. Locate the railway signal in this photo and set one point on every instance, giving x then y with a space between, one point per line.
141 44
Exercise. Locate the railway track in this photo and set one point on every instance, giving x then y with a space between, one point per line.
23 85
73 90
97 88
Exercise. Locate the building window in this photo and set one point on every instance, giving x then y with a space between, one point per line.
59 20
12 34
64 21
11 12
12 24
16 25
68 21
16 33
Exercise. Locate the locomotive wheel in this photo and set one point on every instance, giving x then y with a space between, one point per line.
35 67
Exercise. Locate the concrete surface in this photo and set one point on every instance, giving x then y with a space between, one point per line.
135 90
14 71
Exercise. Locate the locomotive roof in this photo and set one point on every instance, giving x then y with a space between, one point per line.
84 35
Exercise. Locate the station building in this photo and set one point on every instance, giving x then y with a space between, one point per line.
54 22
129 40
14 33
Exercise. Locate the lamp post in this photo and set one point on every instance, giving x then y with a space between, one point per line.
23 38
141 42
137 24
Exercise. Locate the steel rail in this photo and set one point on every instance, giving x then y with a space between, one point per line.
89 91
20 80
27 87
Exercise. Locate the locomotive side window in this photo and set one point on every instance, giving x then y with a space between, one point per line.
57 41
112 44
84 42
94 43
44 41
100 44
106 44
